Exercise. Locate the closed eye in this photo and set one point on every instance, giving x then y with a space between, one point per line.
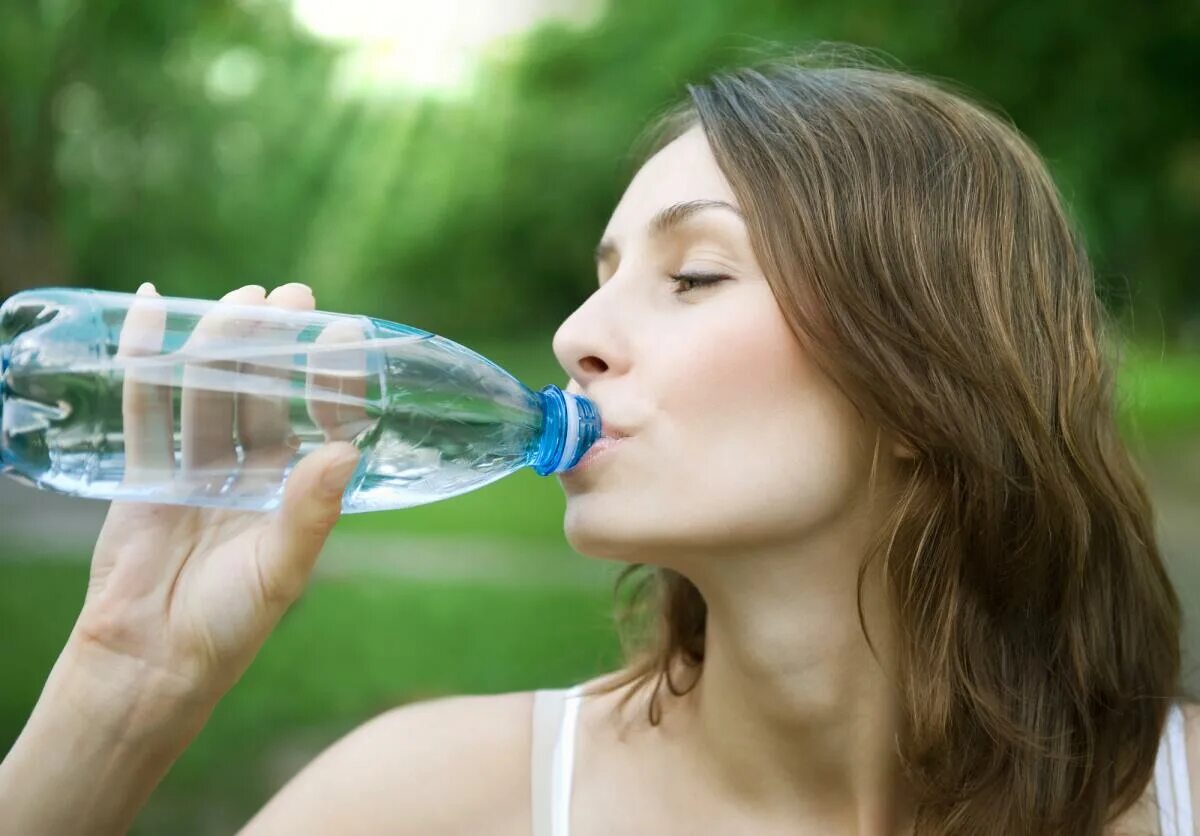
687 282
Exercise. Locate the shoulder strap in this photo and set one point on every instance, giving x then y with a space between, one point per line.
554 715
1171 785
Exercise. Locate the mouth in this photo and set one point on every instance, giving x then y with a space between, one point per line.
608 431
599 451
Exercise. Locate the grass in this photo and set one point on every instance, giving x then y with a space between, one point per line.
347 651
520 506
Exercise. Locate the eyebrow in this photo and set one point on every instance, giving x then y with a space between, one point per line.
669 219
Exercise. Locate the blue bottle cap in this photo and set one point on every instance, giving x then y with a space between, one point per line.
571 428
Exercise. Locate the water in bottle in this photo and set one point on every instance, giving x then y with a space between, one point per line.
186 401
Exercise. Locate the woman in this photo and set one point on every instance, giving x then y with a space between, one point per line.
902 571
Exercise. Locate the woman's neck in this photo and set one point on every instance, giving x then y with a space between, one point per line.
792 712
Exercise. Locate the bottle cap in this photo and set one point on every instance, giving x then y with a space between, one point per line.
571 428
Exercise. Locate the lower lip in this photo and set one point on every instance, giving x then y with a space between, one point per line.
599 450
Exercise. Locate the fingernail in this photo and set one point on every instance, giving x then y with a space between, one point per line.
146 287
333 480
291 286
241 290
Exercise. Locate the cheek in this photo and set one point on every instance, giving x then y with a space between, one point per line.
770 440
735 373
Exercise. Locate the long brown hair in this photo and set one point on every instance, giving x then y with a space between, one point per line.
922 255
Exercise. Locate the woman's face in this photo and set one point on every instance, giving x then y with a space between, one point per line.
736 440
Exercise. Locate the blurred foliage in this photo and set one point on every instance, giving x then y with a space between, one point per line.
204 146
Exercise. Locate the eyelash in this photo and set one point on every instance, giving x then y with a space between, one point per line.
697 280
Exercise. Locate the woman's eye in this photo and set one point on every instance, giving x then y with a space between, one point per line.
687 282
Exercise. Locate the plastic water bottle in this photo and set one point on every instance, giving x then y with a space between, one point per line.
194 402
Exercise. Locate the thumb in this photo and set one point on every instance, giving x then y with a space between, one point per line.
312 503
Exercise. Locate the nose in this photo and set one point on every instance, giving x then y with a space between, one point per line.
587 351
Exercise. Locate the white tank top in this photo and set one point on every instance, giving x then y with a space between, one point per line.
1172 789
556 717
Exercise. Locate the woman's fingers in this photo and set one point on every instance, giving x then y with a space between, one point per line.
147 411
312 503
226 402
209 390
264 420
337 381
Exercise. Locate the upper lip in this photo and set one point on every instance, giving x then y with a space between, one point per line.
611 431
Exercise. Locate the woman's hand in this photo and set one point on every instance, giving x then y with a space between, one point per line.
180 598
186 595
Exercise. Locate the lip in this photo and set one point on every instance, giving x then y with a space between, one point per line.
613 431
599 451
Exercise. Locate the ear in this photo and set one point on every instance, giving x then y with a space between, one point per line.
902 451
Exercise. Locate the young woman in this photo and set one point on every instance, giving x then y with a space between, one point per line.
900 570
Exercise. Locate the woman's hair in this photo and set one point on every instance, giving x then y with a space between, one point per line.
922 255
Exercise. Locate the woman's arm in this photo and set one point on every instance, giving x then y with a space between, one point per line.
179 598
103 734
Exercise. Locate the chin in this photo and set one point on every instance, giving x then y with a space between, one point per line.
598 542
602 534
618 537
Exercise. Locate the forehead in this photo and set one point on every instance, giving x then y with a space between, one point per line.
682 171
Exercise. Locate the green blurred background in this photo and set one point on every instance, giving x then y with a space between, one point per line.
450 166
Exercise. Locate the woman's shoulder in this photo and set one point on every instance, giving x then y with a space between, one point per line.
452 764
462 764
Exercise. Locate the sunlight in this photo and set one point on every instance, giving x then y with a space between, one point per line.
426 46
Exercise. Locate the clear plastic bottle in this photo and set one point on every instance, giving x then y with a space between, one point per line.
195 402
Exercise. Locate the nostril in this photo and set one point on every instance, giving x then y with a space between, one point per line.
593 364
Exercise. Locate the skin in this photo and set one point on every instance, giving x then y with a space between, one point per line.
747 471
179 598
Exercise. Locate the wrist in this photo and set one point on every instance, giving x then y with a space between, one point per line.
129 697
100 739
